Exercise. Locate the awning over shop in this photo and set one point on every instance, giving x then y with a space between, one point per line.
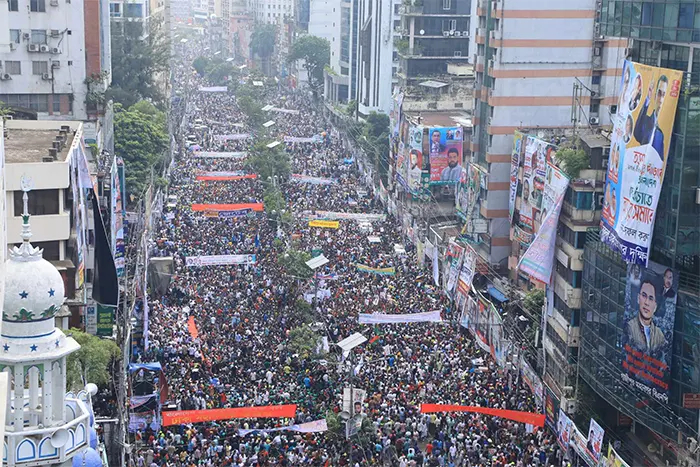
497 294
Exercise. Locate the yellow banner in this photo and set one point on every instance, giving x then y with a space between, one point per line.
325 224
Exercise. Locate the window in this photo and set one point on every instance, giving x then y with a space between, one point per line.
15 35
133 10
446 4
37 5
13 67
685 16
13 5
57 108
41 202
115 10
39 68
38 36
51 250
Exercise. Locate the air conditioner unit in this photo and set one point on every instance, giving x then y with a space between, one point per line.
458 33
13 45
46 76
596 51
55 64
465 33
25 36
55 33
55 50
452 32
44 48
613 109
593 120
458 53
446 33
53 2
5 76
33 48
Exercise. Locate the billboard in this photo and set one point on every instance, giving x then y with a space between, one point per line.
647 330
117 220
534 173
514 169
638 153
445 151
466 272
594 446
454 255
415 161
555 185
564 424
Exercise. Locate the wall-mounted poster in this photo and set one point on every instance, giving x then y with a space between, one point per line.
445 150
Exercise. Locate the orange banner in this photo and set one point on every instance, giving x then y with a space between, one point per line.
224 178
535 419
228 207
192 328
180 417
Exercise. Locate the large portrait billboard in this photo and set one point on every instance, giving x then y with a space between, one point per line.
647 332
415 158
638 153
445 150
534 172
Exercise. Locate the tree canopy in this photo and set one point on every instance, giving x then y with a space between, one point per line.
374 140
262 42
140 139
316 53
91 362
268 163
294 264
303 341
136 63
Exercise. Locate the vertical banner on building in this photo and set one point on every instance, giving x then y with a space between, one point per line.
499 344
415 160
564 430
105 320
445 146
481 324
537 262
436 266
514 172
594 446
533 381
466 272
647 336
555 185
638 153
614 459
117 220
534 173
91 319
454 260
401 162
551 407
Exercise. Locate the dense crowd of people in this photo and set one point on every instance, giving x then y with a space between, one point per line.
245 316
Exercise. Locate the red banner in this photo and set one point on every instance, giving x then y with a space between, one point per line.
192 328
535 419
181 417
228 207
224 178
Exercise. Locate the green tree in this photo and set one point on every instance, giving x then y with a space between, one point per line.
303 341
305 311
200 64
375 141
220 72
262 43
138 60
534 300
269 162
294 264
274 200
91 362
140 139
573 161
316 53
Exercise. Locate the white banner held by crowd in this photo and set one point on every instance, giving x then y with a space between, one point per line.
219 155
378 318
317 426
218 260
233 137
213 89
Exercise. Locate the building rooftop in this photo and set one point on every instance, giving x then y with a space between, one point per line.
595 140
442 118
29 141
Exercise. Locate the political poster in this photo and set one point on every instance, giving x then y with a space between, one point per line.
638 154
564 430
454 257
613 459
578 442
481 324
117 219
594 445
538 260
445 150
390 271
499 344
325 224
533 381
466 271
534 172
647 335
218 260
514 171
415 161
555 185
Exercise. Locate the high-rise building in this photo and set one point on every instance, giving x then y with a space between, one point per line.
528 58
272 11
380 24
433 52
663 36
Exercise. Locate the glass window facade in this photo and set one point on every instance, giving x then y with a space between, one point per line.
668 20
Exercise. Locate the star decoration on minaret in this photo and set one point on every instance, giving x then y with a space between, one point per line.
57 343
6 348
24 294
51 292
33 348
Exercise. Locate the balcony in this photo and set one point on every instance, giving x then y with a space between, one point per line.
411 10
482 8
480 37
33 447
570 295
580 217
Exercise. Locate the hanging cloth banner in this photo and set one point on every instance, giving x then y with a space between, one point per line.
224 178
317 426
378 318
221 173
234 137
379 271
213 89
538 260
349 216
313 180
325 224
219 155
258 207
192 327
530 418
181 417
285 111
302 139
218 260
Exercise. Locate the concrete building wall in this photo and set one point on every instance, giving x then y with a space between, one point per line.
324 21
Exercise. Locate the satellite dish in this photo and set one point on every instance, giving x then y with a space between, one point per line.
422 31
59 438
91 388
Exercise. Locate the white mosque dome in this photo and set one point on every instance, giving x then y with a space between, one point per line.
34 290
